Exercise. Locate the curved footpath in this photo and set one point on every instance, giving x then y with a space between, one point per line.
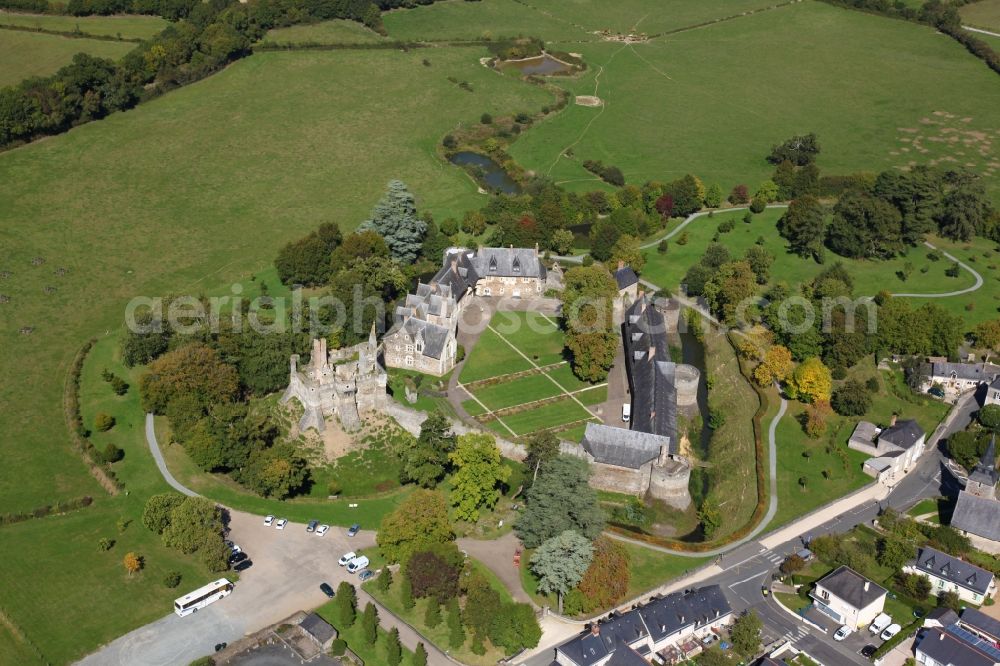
154 448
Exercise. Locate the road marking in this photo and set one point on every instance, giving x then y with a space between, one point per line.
740 582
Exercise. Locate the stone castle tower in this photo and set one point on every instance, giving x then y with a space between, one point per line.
348 383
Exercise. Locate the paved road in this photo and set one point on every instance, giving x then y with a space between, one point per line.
981 31
154 448
746 568
977 285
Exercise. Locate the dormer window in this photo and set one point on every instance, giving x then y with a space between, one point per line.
493 264
516 265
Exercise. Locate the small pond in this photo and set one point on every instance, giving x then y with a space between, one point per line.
487 170
543 65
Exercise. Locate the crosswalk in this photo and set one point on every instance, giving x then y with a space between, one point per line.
798 634
773 557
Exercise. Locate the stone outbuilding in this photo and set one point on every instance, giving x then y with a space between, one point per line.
319 630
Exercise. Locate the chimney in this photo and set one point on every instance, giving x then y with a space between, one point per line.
595 629
892 421
454 264
664 454
652 351
621 264
536 249
867 585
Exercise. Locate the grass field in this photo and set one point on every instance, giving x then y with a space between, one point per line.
27 54
683 103
128 27
337 31
667 270
984 14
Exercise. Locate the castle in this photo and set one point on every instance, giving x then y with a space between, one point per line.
348 383
647 457
423 337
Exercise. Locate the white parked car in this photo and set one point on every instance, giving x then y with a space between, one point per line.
357 564
890 631
626 412
268 519
842 633
322 529
347 557
281 524
234 548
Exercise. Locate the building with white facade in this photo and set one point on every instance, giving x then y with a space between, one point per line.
950 574
849 598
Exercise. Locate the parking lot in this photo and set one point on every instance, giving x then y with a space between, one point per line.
288 567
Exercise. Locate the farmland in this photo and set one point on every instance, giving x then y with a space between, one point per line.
124 27
984 15
27 54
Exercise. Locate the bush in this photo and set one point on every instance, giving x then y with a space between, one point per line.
106 544
119 385
486 119
757 206
172 579
338 647
104 422
662 246
112 453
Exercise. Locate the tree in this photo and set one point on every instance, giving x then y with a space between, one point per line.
811 381
561 562
775 366
420 655
419 520
393 648
989 417
278 471
713 196
792 564
406 593
395 219
435 572
369 624
562 241
145 341
665 206
432 616
133 562
384 580
799 150
482 604
864 227
156 514
195 526
626 250
965 209
345 605
949 599
560 499
479 471
760 261
456 632
739 195
104 422
515 628
765 194
803 225
193 370
745 633
987 334
964 448
587 312
893 553
851 399
425 462
732 286
542 447
307 260
686 194
606 580
709 517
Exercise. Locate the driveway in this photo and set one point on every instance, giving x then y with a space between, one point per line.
618 393
288 567
498 557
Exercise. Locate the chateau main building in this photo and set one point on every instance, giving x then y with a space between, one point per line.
424 335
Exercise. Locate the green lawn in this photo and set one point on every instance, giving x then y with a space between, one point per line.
132 26
457 19
354 636
867 85
564 376
537 336
491 357
337 31
593 396
517 391
439 634
983 14
27 54
549 415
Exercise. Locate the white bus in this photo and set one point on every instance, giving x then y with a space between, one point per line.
202 597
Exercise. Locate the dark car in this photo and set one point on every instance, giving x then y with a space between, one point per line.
868 651
936 391
354 529
243 566
311 527
219 647
326 589
236 558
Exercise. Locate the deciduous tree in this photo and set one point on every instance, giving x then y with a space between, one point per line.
775 366
425 462
746 633
479 470
133 562
606 580
194 370
803 225
811 381
420 519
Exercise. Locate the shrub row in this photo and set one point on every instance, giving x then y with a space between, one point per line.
78 432
62 506
76 34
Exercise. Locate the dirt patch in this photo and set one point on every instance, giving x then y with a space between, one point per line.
588 100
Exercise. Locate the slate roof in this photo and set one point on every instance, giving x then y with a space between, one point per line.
945 648
621 447
435 336
622 629
954 570
943 616
849 585
626 277
981 623
864 433
318 628
626 656
980 372
650 371
986 469
977 515
903 434
507 262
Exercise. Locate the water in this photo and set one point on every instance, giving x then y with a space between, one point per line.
486 170
544 65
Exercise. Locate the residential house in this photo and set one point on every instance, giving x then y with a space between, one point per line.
848 597
948 647
628 286
956 378
894 450
993 393
980 624
940 617
670 627
979 519
950 574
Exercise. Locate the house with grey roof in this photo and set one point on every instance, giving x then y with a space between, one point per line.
628 287
947 647
979 623
667 628
993 393
950 574
645 456
894 450
940 617
319 630
424 334
982 482
979 519
956 378
848 597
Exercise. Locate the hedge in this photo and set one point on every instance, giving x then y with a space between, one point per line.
61 506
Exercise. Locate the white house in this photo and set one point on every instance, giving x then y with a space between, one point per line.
950 574
942 647
849 598
894 450
956 378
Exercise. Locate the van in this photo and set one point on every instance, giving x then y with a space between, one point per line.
357 564
626 412
880 623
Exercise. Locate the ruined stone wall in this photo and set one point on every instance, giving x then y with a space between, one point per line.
620 479
669 483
